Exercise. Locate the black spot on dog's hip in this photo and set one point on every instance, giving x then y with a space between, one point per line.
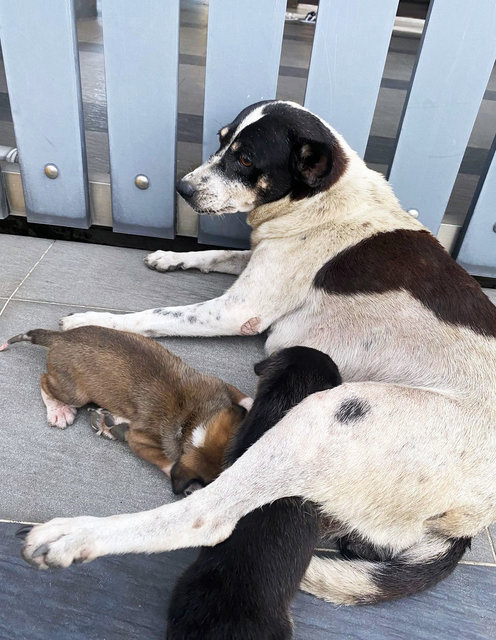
352 410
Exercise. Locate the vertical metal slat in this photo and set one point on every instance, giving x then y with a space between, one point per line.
477 248
456 58
349 50
39 45
243 55
141 69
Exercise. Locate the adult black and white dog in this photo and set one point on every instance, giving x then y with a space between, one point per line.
242 588
403 454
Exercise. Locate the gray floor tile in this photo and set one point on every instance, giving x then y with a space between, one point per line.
113 277
46 472
126 598
481 549
17 256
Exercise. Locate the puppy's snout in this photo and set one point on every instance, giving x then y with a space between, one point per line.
192 487
186 189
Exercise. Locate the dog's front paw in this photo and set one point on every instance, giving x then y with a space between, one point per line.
85 319
164 261
61 542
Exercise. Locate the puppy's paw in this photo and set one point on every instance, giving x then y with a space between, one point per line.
61 542
85 319
60 415
164 261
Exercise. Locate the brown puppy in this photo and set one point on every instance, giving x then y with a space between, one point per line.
179 419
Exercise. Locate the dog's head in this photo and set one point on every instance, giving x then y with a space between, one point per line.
204 451
297 370
271 150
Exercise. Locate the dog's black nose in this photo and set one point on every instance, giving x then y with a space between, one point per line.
186 189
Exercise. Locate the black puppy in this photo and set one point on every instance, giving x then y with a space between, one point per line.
242 588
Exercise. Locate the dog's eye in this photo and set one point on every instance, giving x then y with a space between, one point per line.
246 162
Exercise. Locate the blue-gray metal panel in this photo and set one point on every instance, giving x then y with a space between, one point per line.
349 50
39 45
141 67
243 55
477 251
456 58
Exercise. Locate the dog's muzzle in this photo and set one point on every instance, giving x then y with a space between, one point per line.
186 189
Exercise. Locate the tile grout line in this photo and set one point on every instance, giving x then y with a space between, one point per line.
491 543
7 521
26 277
466 562
70 304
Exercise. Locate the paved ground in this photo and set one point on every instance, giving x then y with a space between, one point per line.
45 472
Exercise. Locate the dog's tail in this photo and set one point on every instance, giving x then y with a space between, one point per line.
43 337
367 582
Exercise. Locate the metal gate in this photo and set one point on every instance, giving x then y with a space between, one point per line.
40 50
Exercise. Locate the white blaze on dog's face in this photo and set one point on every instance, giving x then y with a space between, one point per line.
272 149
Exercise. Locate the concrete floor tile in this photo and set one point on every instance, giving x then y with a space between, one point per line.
481 550
18 254
116 278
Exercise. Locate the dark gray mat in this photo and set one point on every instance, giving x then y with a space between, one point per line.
125 598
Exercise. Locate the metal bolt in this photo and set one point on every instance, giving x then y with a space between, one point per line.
51 171
141 181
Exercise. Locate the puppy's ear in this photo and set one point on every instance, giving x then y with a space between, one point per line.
246 404
311 163
235 393
260 367
239 398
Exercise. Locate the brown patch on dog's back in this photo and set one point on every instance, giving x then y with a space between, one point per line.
416 262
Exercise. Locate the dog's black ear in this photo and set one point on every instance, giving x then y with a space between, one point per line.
260 367
311 162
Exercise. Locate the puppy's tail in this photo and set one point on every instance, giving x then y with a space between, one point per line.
43 337
368 582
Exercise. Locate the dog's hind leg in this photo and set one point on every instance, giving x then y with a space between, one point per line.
365 462
58 414
222 261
